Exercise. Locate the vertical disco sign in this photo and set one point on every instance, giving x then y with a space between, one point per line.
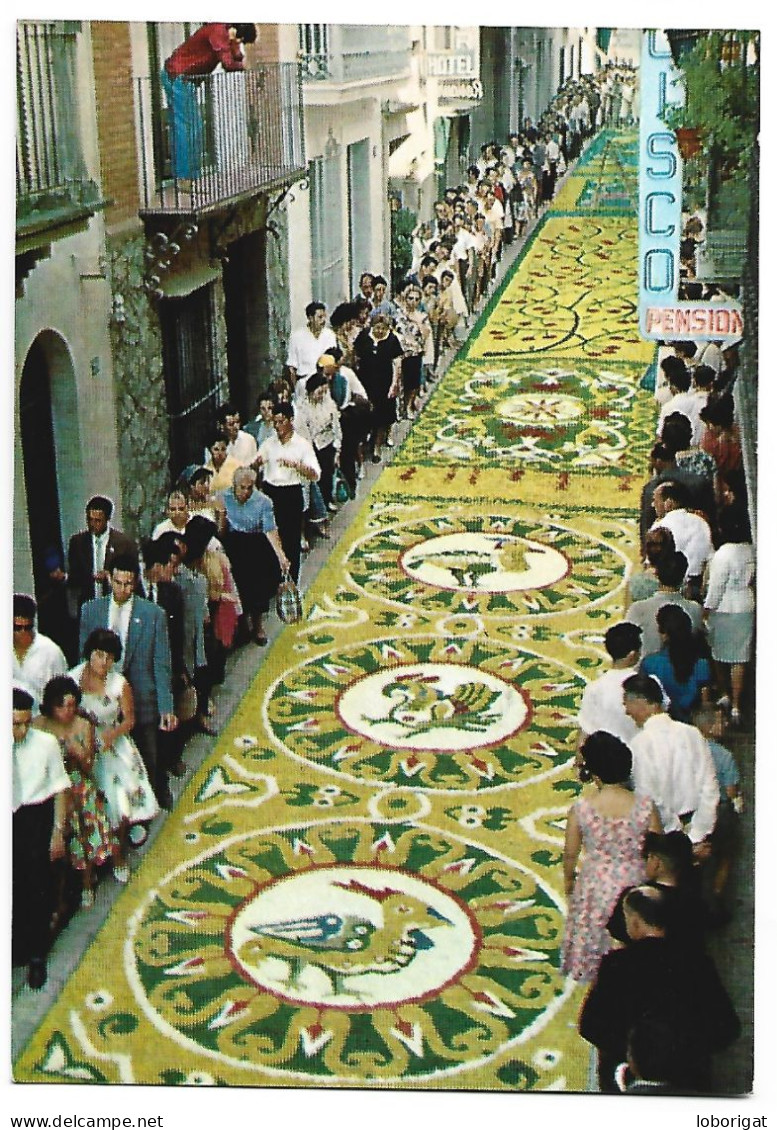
662 315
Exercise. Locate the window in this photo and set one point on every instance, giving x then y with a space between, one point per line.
194 382
326 227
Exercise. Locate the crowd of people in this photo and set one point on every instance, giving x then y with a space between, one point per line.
649 848
106 699
122 663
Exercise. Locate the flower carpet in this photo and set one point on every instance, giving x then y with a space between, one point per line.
361 886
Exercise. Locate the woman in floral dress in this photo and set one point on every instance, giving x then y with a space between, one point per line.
106 699
610 828
90 838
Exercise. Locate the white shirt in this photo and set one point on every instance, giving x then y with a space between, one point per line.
118 622
463 245
729 588
297 450
691 536
496 215
243 448
674 767
601 707
99 546
42 661
38 769
305 349
319 422
689 404
710 354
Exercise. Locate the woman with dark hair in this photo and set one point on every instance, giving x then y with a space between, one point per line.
379 358
318 420
220 463
610 828
119 772
720 437
90 839
414 330
729 606
682 669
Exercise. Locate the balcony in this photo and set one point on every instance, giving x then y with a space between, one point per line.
244 137
54 194
353 54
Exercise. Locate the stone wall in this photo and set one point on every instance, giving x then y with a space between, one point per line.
141 413
279 316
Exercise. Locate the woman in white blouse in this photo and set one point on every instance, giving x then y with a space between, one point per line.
318 420
729 606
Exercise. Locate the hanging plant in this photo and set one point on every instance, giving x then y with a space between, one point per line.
721 87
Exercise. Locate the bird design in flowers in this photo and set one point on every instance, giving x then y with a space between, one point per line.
471 566
343 946
420 703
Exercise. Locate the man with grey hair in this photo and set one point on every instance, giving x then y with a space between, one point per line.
254 549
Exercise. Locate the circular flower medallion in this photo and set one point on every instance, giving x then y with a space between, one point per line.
299 951
492 563
430 712
457 562
432 706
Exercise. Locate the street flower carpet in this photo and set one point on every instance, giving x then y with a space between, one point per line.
362 885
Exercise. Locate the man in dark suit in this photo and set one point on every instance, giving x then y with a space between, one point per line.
161 559
142 629
91 553
654 976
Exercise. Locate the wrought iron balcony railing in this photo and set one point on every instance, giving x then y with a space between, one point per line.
52 184
241 134
350 53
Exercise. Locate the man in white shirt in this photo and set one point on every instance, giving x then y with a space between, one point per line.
601 707
288 460
672 764
241 445
691 532
40 785
36 658
682 399
308 343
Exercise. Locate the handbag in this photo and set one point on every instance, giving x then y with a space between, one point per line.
186 703
288 601
340 490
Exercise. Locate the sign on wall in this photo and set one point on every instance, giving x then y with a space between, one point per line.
662 314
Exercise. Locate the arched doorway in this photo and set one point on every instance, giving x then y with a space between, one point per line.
51 461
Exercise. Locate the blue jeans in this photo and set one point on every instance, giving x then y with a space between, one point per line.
185 126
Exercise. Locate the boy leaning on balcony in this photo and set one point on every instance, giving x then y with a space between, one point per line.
197 56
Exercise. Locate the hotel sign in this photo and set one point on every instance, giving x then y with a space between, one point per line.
459 64
662 314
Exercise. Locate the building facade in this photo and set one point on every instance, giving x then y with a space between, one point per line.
142 302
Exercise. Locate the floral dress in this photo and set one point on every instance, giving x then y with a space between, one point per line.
612 861
91 839
119 771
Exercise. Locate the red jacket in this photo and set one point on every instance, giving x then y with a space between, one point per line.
202 52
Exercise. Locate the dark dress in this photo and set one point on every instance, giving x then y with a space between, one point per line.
375 361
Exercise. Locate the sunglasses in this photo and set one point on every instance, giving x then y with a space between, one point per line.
26 627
